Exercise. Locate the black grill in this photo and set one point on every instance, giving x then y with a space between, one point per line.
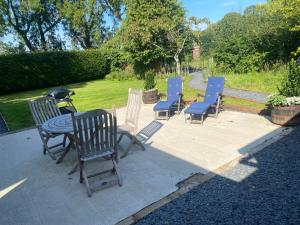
62 95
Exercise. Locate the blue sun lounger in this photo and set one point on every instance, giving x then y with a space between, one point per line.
212 100
173 99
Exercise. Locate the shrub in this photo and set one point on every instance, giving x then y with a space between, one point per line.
149 80
119 75
40 70
277 100
291 85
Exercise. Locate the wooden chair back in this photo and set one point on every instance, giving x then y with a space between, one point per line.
95 132
43 109
134 104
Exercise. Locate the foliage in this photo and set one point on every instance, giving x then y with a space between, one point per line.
35 22
277 100
144 30
38 70
263 81
83 21
290 9
150 82
118 58
291 85
245 42
119 75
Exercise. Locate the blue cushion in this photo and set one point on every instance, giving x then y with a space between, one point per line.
197 108
163 105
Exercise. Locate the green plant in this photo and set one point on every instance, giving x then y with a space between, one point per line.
150 82
291 85
48 69
119 75
277 100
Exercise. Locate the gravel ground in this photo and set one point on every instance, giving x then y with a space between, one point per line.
197 83
261 189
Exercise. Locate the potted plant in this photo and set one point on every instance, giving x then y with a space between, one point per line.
286 104
150 94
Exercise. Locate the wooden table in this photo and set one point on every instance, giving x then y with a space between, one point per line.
62 125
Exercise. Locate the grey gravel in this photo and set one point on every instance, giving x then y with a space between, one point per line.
198 83
261 189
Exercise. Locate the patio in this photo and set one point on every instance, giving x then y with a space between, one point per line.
34 190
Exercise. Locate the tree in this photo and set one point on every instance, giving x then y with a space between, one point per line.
83 22
145 31
34 21
290 9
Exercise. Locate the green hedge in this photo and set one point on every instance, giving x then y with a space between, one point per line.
40 70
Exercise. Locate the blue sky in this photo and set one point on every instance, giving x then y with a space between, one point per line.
216 9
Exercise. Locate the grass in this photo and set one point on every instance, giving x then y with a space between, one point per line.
90 95
266 82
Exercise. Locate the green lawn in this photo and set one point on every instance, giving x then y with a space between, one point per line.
89 95
266 82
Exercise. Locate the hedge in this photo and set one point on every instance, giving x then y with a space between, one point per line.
48 69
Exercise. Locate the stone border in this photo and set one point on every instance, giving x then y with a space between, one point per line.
198 179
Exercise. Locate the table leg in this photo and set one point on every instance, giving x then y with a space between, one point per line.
67 149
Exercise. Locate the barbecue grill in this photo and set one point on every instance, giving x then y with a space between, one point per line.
62 97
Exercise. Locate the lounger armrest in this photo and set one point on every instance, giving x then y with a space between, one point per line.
199 95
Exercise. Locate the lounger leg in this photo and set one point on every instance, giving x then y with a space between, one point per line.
202 119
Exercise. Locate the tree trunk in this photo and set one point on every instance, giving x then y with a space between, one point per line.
178 65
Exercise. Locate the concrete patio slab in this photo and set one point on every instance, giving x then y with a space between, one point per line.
34 190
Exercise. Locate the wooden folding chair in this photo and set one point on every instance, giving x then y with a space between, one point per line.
95 135
129 128
43 109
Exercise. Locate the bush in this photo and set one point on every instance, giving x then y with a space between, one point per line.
277 100
119 75
291 85
40 70
149 80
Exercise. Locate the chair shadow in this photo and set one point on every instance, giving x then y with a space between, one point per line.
148 131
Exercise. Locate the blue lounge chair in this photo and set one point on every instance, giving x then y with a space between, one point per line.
173 99
212 100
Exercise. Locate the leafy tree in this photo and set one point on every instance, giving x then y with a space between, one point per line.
84 22
144 31
290 9
34 21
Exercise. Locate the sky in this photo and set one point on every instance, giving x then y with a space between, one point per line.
216 9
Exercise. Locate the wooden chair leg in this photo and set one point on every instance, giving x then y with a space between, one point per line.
81 174
137 142
86 181
120 138
117 171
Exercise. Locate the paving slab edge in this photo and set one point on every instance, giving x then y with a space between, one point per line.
198 179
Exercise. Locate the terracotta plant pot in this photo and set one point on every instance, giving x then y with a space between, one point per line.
286 115
150 96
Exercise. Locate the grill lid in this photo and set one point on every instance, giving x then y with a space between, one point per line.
59 93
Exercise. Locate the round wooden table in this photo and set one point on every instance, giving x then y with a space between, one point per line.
61 125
